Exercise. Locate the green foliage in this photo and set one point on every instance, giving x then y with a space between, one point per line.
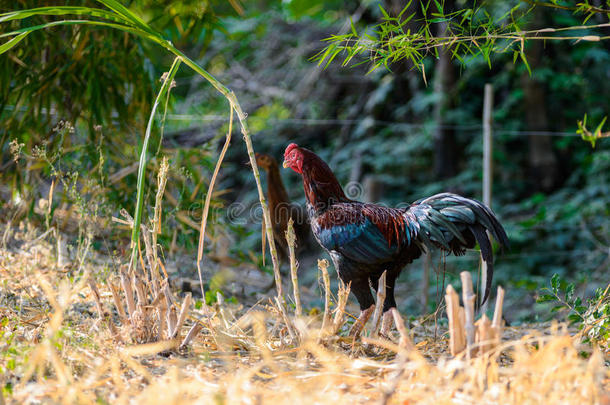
120 18
481 30
589 136
592 317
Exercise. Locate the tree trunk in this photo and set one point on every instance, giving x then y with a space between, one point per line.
445 156
542 161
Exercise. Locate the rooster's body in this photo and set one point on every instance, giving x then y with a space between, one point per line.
364 240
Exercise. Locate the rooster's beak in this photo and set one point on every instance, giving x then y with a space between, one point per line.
286 164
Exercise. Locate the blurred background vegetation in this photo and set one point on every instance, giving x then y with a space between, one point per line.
74 103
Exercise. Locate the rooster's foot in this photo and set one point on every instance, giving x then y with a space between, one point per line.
365 314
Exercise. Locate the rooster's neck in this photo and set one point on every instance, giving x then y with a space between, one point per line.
275 187
322 190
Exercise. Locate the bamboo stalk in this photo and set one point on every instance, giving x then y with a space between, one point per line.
468 298
291 239
261 195
379 305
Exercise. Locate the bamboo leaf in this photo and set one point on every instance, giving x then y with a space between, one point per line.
137 218
126 13
11 43
62 10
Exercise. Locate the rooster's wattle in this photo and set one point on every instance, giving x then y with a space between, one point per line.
364 240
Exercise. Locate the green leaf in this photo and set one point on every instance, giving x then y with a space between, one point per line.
137 218
555 281
385 13
62 10
126 13
11 43
573 318
545 298
570 292
524 59
351 24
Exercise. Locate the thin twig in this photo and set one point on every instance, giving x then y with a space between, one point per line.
206 207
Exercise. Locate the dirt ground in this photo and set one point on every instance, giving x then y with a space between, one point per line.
54 348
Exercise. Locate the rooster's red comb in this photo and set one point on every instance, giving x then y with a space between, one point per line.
290 147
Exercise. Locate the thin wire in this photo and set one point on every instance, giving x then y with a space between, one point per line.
313 122
374 123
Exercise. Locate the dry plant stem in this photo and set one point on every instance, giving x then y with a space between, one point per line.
468 298
140 291
323 266
190 335
206 207
400 369
497 319
405 340
289 326
152 262
342 296
484 335
161 183
162 331
117 301
379 304
291 239
186 305
104 316
171 311
128 291
457 339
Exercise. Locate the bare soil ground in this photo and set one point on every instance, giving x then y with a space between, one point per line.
54 348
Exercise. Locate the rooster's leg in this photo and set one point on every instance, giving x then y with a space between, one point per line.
392 316
365 314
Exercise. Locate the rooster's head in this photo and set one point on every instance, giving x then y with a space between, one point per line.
293 158
265 161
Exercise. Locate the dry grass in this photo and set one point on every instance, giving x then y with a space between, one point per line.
55 349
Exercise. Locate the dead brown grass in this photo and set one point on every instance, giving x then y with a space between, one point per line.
56 349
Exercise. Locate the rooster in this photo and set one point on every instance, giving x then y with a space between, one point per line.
281 209
364 240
